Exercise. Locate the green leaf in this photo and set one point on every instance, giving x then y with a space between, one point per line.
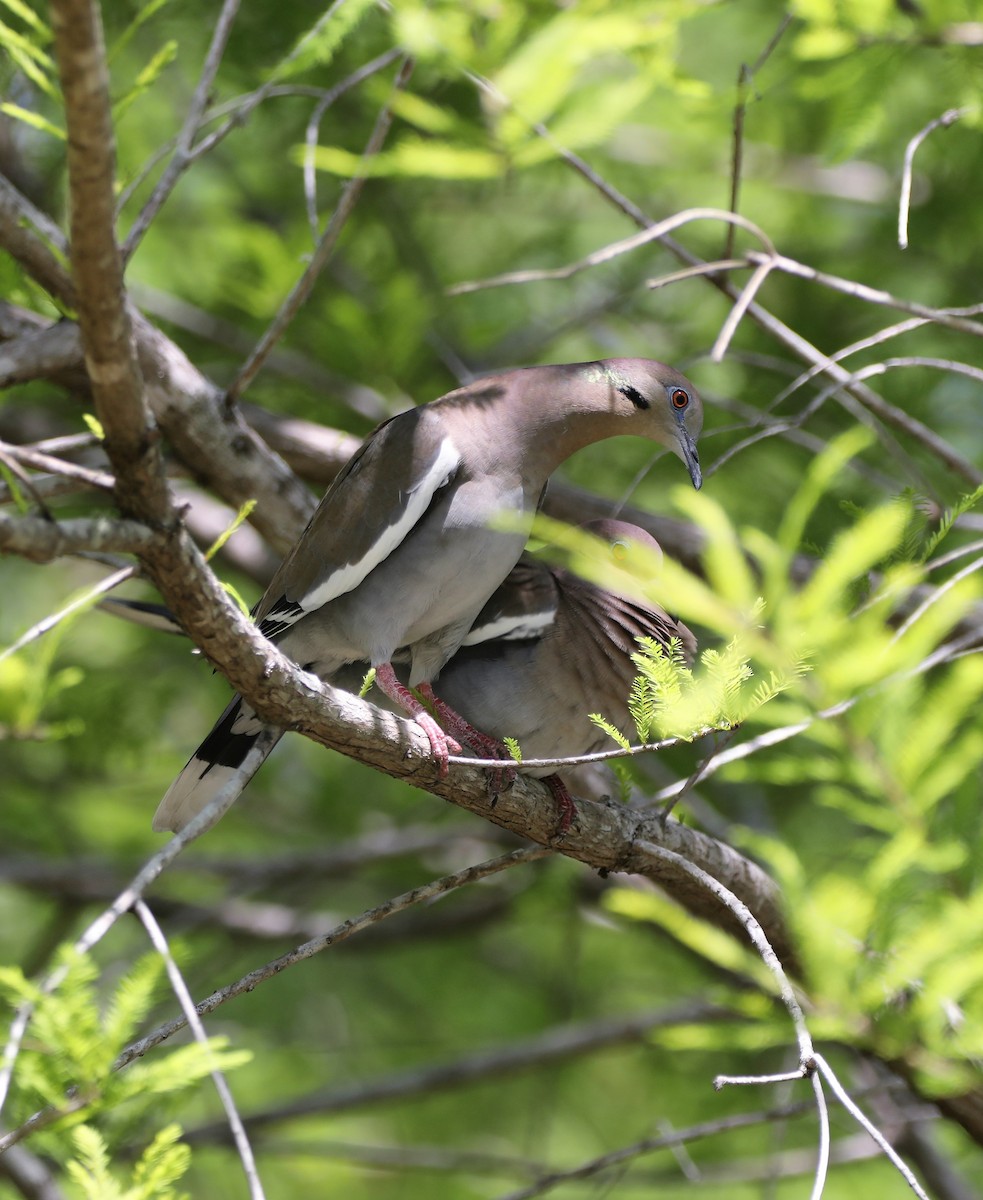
38 66
245 511
412 157
231 590
318 46
149 10
147 77
948 520
29 17
610 730
13 484
35 120
94 426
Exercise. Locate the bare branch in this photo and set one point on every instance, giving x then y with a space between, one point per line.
182 155
606 254
334 937
51 352
951 318
743 303
745 77
41 540
314 125
99 480
859 1116
35 242
325 247
87 600
180 988
555 1045
948 118
107 337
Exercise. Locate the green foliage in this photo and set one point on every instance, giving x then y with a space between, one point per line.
856 781
948 520
153 1177
29 57
67 1063
13 484
611 730
317 46
514 749
94 426
146 78
242 515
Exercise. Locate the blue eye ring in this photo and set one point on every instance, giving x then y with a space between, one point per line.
679 398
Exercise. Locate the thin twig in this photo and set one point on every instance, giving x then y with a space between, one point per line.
740 307
325 248
935 595
679 1137
822 1158
745 76
760 942
180 989
615 249
951 318
577 760
694 272
314 124
858 1115
866 343
100 480
86 600
192 122
26 480
344 931
904 203
98 928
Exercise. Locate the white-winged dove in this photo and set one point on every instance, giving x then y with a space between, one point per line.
548 649
421 527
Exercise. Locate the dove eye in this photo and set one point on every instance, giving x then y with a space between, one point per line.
679 398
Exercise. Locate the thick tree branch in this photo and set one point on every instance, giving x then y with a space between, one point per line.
110 353
42 540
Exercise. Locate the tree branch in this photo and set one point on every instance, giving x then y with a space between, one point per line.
110 354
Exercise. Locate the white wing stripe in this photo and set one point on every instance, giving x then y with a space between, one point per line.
417 499
511 629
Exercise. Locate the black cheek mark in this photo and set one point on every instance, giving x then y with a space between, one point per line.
634 395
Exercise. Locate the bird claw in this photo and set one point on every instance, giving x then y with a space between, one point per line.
441 743
499 778
565 806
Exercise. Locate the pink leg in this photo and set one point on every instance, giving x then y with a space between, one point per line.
480 743
440 743
565 806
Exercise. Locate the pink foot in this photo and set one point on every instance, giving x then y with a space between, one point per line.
565 807
479 743
440 743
